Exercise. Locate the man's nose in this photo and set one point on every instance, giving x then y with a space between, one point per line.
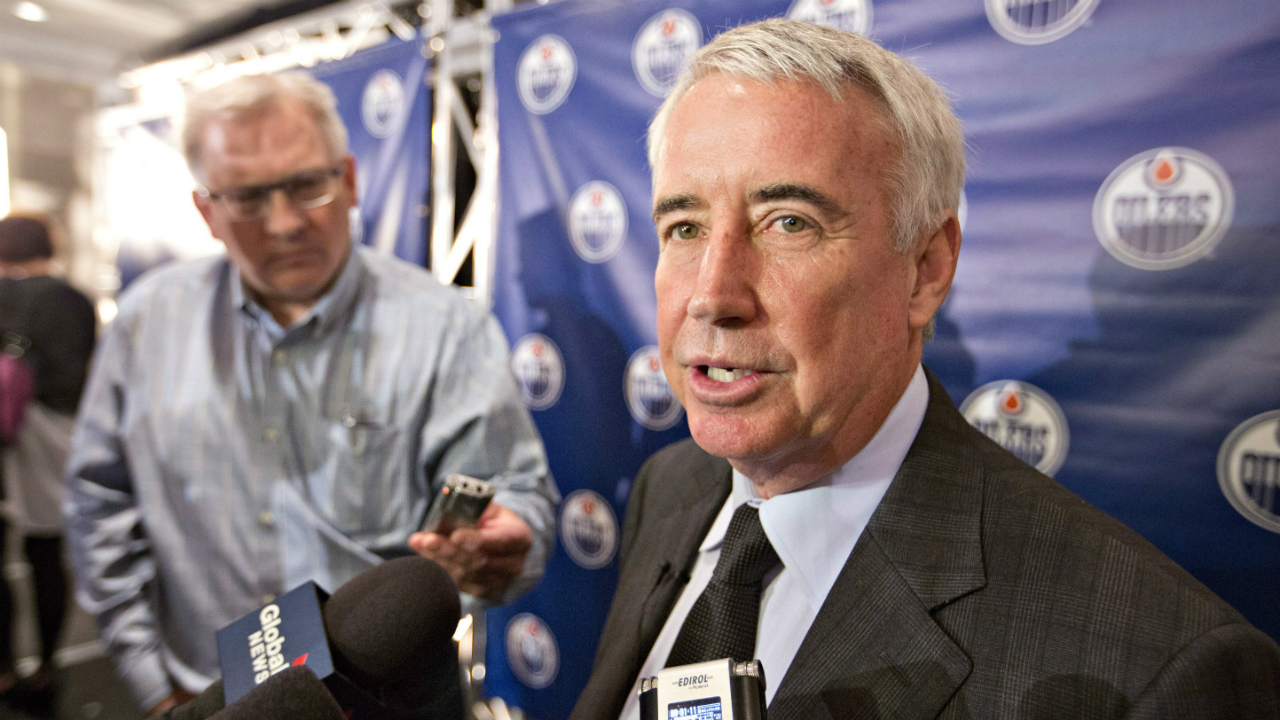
283 217
725 293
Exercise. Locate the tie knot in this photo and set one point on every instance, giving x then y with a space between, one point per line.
746 554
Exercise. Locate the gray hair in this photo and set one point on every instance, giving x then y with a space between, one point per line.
250 95
930 172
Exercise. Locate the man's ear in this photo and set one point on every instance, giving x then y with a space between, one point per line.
205 206
935 268
349 178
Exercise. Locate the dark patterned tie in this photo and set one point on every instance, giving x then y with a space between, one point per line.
722 622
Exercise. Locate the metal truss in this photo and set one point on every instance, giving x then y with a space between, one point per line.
461 48
306 40
463 54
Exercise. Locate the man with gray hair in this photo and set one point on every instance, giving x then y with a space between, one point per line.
833 515
286 412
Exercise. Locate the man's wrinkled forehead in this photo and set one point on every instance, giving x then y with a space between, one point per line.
281 135
870 129
843 94
219 131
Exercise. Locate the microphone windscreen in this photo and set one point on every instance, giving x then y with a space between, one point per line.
292 694
392 621
203 707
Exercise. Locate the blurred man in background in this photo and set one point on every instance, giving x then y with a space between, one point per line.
833 514
287 412
49 326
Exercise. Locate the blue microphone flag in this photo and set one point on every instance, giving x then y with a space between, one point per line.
285 633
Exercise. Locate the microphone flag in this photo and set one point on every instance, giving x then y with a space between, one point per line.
286 633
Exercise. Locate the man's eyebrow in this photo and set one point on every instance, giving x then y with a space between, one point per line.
674 203
803 193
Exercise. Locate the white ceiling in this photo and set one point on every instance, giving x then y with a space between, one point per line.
91 40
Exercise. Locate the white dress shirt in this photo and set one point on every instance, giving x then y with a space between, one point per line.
813 530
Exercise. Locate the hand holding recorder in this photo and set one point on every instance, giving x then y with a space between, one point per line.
481 544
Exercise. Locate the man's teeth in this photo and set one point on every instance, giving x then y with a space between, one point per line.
726 374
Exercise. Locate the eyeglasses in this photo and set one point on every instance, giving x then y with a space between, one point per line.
306 190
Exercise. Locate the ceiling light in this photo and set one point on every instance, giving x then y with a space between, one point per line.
30 11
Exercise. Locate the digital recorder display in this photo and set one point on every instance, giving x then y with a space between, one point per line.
704 709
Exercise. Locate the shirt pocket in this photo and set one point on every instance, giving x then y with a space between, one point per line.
367 464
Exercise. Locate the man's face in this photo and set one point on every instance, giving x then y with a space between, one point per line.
290 255
788 324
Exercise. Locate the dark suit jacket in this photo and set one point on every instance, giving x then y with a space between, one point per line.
980 589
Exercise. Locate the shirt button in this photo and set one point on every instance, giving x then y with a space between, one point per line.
271 434
266 519
268 599
279 356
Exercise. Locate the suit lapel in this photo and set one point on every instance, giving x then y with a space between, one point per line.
874 650
678 535
681 497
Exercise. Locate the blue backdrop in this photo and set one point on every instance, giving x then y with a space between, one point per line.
386 105
1115 318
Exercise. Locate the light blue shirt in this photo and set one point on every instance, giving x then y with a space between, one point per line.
813 530
221 459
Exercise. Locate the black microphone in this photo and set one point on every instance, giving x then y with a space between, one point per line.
390 634
391 631
293 694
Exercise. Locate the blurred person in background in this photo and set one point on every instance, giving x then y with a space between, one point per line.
288 411
53 326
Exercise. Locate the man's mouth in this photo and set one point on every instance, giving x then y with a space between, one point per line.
725 375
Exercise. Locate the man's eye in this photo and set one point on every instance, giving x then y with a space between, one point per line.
684 231
791 224
306 188
246 197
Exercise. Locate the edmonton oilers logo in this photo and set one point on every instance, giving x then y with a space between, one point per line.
588 529
531 651
545 74
1249 469
1035 22
382 103
1023 419
539 370
649 398
597 221
849 15
661 47
1163 209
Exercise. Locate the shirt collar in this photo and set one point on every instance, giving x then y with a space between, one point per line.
327 310
814 529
